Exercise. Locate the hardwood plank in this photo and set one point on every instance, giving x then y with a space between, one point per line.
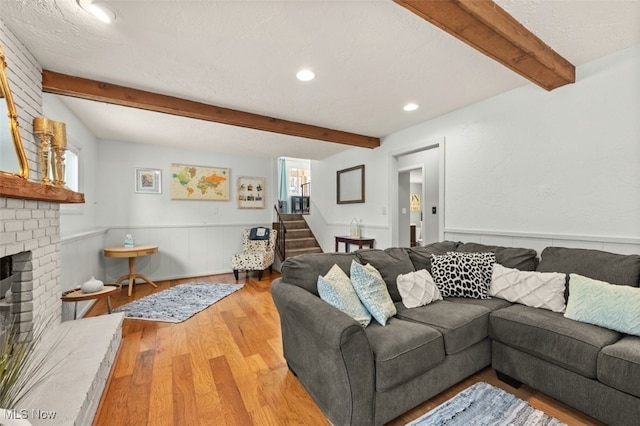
140 385
185 411
114 402
195 372
229 391
488 28
129 350
78 87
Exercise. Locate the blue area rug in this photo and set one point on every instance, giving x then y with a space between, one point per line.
177 303
484 405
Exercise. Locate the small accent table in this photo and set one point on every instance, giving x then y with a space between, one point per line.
131 253
360 241
76 295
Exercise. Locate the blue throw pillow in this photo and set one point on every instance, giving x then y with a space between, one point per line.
259 234
616 307
372 291
335 288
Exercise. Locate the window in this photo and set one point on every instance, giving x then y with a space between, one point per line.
72 178
71 175
297 178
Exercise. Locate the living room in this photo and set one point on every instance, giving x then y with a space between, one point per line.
525 168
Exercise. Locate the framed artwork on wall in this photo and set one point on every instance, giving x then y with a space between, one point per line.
251 192
350 184
415 202
148 181
199 183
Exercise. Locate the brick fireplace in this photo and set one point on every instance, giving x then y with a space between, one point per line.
80 353
30 238
29 229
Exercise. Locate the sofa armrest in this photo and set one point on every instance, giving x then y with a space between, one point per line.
329 353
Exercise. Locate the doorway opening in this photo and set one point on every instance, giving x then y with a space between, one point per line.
294 185
417 194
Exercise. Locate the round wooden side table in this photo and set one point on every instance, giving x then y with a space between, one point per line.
77 295
131 253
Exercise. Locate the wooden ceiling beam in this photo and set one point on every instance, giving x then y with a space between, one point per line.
67 85
487 27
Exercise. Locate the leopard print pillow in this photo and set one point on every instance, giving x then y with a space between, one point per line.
459 274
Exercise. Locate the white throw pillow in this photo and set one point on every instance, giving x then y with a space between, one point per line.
417 288
543 290
335 288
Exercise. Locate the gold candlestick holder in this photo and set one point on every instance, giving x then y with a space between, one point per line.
43 128
59 147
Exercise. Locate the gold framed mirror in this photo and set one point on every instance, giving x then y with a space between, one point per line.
13 160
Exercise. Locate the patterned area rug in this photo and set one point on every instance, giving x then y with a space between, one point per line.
483 405
177 303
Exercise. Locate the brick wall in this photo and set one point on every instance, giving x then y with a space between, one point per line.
30 229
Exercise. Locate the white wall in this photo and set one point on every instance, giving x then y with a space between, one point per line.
77 218
374 211
194 237
120 205
561 165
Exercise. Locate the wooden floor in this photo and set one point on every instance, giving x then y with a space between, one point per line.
224 366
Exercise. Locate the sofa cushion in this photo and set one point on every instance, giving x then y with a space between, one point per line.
335 288
372 291
303 270
619 365
544 290
550 336
611 306
417 289
390 263
463 274
461 325
599 265
403 350
421 256
491 304
523 259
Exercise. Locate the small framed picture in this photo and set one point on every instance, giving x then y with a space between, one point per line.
251 192
148 181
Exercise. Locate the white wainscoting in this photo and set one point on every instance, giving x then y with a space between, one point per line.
540 241
183 251
81 258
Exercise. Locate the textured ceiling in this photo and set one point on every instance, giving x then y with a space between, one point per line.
370 58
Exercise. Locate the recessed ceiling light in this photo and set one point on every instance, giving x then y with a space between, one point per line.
411 107
98 9
305 75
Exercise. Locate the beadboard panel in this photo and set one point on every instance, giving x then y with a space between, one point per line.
81 258
183 251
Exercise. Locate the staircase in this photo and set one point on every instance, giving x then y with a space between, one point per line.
298 239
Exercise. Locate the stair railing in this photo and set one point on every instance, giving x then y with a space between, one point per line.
306 197
282 235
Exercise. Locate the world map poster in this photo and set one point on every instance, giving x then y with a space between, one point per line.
199 183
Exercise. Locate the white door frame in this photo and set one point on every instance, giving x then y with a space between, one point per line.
393 184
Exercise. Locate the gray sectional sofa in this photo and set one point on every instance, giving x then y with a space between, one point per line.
365 376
